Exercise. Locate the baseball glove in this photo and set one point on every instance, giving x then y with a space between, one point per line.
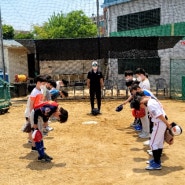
138 113
119 108
27 127
168 137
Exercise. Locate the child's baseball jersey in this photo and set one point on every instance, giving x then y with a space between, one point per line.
155 109
145 84
36 96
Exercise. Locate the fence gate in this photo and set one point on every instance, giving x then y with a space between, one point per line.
177 78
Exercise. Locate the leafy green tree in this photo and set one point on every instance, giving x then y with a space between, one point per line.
73 25
24 35
8 32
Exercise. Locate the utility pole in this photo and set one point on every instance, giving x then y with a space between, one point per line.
98 18
2 47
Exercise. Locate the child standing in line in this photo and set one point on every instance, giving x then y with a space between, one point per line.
144 84
36 97
160 124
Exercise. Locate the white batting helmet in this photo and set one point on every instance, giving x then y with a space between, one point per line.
176 130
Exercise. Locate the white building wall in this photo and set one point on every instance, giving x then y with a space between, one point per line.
16 62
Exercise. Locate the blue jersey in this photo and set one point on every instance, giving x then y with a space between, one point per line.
149 93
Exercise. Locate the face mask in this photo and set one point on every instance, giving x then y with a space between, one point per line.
43 89
94 68
42 86
139 79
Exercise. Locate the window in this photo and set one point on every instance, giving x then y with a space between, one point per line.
139 20
150 65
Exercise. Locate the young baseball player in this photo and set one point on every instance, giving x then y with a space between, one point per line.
54 92
144 84
129 81
36 97
160 124
136 90
44 111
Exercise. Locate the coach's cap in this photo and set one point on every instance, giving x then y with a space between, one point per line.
94 63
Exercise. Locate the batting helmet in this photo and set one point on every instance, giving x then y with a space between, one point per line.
37 135
176 129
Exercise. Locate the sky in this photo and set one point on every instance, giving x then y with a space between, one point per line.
23 14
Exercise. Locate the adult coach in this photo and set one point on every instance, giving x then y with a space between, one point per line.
95 84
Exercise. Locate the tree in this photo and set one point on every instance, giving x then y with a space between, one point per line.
73 25
23 35
8 32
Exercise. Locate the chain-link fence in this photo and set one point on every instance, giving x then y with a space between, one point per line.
177 79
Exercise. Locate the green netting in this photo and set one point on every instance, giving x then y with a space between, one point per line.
177 79
176 29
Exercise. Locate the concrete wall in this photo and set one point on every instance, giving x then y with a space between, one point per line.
66 69
16 62
178 52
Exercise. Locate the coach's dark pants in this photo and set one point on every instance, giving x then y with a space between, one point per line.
97 93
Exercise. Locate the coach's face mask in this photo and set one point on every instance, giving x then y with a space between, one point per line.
95 68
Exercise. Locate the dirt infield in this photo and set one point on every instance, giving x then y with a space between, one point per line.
108 152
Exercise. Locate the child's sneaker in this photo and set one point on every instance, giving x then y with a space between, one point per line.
138 127
48 128
150 161
146 143
51 158
33 149
144 135
154 166
44 159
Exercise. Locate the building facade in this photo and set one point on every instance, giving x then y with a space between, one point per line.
143 18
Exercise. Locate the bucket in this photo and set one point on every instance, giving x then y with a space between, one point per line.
2 76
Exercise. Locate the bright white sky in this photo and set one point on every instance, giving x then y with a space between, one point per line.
22 14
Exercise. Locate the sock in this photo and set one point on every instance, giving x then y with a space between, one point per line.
160 151
156 156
